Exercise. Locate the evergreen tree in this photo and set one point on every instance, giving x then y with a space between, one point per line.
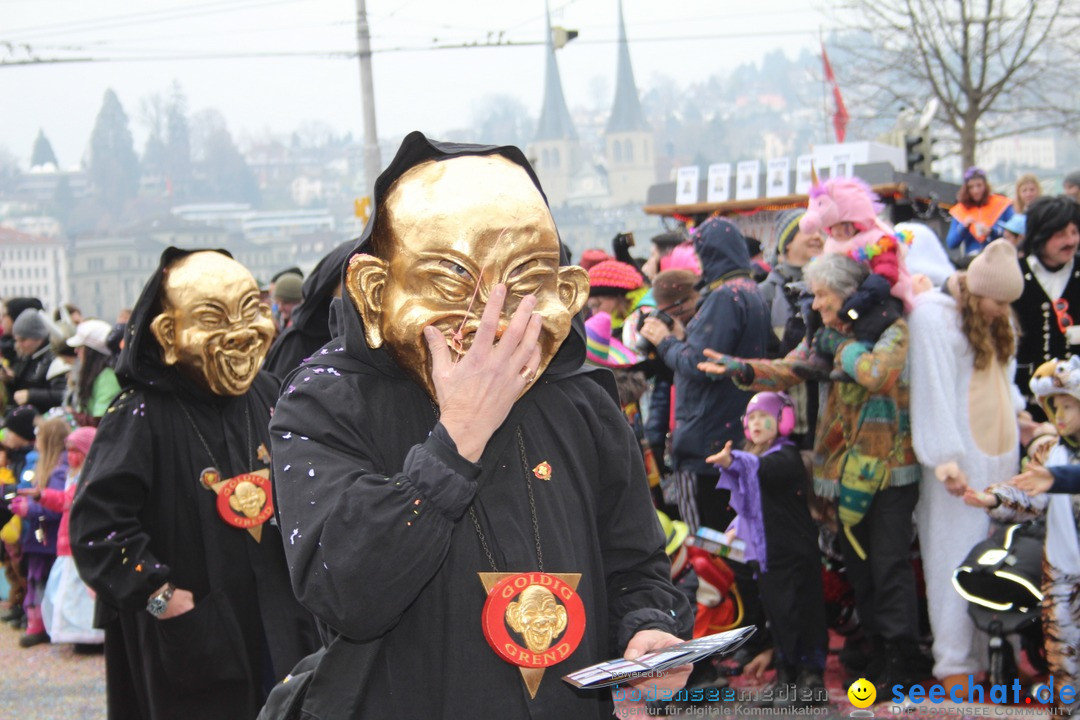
9 170
153 112
226 171
222 170
63 201
178 144
114 167
154 160
43 152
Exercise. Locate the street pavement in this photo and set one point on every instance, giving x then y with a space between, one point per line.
48 682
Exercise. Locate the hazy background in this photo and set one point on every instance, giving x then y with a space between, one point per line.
292 79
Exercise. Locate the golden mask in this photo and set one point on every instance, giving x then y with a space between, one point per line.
213 326
537 617
452 230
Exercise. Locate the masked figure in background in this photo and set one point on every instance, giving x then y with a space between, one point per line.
449 443
309 329
191 582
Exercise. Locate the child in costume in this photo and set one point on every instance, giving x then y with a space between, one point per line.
1059 392
68 607
767 481
847 209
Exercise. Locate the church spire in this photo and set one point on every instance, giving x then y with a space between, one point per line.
555 123
626 115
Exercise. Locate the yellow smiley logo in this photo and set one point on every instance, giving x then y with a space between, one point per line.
862 693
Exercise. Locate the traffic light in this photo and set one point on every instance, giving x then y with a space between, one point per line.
914 154
919 153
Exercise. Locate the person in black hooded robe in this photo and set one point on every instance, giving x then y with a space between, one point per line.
402 473
309 329
192 590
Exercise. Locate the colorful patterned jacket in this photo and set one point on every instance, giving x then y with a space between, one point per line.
865 427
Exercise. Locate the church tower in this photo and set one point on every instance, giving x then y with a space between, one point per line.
555 152
628 139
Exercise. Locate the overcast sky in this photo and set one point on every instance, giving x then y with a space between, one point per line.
289 84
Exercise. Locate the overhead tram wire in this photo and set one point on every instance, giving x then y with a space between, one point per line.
142 18
351 54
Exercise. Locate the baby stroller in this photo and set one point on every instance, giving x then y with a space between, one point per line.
1001 580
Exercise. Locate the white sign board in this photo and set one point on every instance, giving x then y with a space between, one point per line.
747 181
778 178
842 165
686 185
719 188
804 179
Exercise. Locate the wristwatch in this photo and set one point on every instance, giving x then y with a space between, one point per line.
157 604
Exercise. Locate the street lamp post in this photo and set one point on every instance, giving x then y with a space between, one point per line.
372 159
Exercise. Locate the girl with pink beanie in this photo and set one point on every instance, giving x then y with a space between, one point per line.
847 210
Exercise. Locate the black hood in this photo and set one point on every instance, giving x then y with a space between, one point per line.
416 149
311 325
310 316
140 363
722 250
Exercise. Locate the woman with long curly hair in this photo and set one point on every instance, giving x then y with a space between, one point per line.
964 410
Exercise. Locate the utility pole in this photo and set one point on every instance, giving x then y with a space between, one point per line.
372 158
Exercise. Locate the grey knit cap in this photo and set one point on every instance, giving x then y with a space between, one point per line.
30 325
786 228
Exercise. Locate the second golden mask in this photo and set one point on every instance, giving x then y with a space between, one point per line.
212 326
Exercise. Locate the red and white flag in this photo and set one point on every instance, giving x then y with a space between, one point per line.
840 114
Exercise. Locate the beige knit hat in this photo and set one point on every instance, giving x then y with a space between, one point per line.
995 273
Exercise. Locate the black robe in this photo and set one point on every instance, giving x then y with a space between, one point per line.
141 518
310 326
373 501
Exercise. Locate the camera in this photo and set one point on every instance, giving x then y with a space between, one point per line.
643 345
620 246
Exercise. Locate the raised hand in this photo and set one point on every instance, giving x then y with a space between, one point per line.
475 393
722 458
719 366
1033 481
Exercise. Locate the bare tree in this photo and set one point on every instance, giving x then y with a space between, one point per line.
998 67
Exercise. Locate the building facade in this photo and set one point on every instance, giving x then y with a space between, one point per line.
33 266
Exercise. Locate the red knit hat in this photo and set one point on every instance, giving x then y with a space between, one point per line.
612 277
593 257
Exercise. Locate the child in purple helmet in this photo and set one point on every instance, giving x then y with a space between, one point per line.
767 480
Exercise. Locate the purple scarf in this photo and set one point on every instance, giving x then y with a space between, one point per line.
742 480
